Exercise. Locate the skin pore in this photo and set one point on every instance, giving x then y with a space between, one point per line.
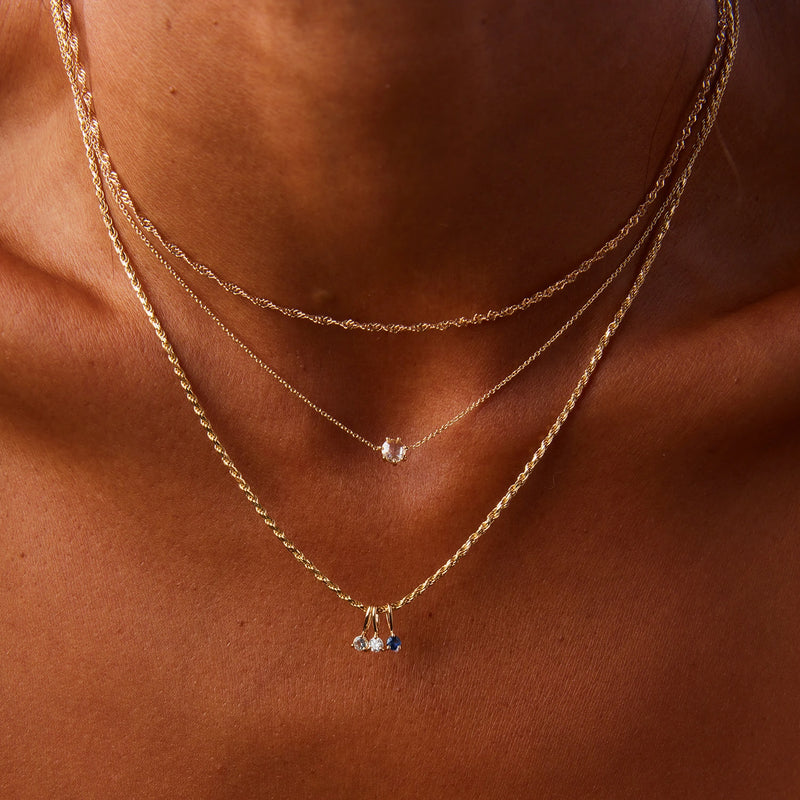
627 628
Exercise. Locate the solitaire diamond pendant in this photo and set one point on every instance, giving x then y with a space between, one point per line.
375 644
393 451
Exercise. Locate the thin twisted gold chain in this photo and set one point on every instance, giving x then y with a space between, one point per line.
126 204
68 45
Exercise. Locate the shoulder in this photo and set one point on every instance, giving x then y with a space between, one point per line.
54 257
714 386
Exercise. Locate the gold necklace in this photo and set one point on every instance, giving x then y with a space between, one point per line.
68 45
129 208
392 449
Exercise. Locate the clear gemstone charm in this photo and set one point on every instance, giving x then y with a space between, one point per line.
361 644
393 451
376 644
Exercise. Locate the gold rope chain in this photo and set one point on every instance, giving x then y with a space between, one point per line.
68 45
126 204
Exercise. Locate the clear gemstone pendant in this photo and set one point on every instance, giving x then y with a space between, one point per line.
393 451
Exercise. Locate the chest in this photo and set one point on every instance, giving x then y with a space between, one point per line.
626 640
622 630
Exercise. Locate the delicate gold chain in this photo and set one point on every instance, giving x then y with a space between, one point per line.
327 415
68 45
126 204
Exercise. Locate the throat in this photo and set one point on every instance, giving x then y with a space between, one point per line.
391 165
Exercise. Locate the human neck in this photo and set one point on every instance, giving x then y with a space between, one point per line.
438 158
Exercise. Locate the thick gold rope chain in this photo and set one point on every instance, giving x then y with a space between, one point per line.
68 45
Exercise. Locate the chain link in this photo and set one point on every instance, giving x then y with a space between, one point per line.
727 41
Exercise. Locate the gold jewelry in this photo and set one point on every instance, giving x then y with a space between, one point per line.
392 449
68 44
374 643
138 220
393 642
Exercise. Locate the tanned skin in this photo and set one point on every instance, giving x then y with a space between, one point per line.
627 629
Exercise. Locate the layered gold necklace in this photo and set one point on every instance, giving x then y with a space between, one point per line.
395 449
104 177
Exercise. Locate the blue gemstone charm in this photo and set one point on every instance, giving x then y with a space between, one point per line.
393 643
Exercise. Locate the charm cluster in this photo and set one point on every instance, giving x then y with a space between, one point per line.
375 644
